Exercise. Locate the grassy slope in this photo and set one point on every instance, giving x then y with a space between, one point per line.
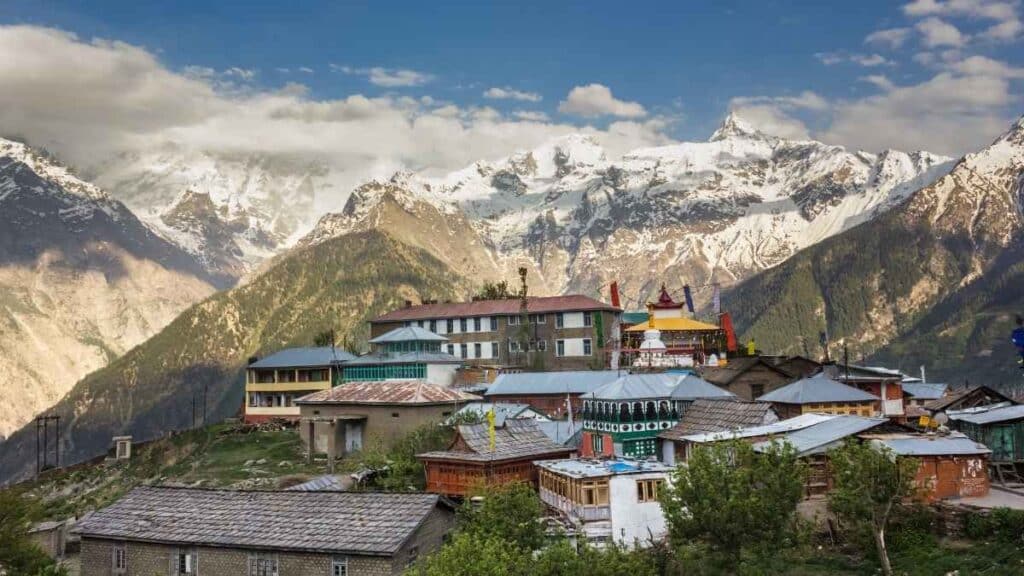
148 391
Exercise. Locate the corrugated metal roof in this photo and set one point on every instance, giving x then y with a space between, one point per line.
952 445
691 387
534 305
408 334
516 440
387 392
636 386
502 410
326 522
822 435
923 391
404 358
311 357
560 432
816 389
1003 414
780 427
568 382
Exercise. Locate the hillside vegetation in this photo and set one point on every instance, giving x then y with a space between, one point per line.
149 391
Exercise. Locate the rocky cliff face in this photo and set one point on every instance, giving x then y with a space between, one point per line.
82 280
716 211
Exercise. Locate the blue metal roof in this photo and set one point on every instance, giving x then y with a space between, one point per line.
303 358
568 382
1003 414
404 358
637 386
823 435
923 391
817 389
408 334
953 445
691 387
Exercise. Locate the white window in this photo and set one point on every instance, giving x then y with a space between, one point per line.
263 564
588 319
494 323
339 566
478 350
451 349
559 320
538 318
119 558
542 345
186 561
463 350
513 320
463 325
476 324
513 346
559 347
433 326
450 325
587 348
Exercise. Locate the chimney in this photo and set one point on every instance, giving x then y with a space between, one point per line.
253 359
408 303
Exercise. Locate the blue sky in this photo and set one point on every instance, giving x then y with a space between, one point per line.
799 68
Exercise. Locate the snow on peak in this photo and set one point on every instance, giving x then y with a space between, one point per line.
734 126
50 169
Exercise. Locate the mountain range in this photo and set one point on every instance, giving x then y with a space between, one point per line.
744 209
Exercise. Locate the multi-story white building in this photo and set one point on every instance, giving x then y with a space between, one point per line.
608 501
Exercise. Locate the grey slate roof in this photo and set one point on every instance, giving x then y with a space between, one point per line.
691 387
404 358
719 415
325 482
364 523
923 391
567 382
408 334
1003 414
303 358
823 435
560 432
952 445
636 386
502 410
816 389
517 439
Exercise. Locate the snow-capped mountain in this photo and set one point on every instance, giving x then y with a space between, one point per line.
82 280
230 211
696 212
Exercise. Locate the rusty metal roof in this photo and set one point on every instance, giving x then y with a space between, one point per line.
387 392
534 305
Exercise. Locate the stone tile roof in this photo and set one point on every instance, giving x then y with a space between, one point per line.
365 523
724 375
534 305
388 392
303 358
720 415
518 439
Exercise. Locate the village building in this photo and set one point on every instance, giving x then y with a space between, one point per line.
624 417
568 332
607 501
820 394
405 353
502 411
712 415
1001 429
749 377
546 392
272 384
686 341
345 418
917 394
971 398
883 383
191 531
950 465
472 462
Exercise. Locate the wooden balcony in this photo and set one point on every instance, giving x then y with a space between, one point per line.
287 386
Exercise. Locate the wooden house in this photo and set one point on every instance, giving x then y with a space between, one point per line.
749 377
472 463
967 398
950 466
821 394
1002 430
272 384
883 383
712 415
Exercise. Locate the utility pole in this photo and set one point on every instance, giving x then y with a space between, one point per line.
193 410
205 385
43 424
846 361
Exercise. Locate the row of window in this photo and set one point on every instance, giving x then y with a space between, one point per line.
185 562
578 491
272 376
490 323
274 399
647 490
632 411
385 372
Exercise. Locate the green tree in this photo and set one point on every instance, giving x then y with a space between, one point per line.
467 555
735 499
496 291
512 512
19 556
869 481
324 338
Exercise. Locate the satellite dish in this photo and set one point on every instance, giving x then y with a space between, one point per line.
941 419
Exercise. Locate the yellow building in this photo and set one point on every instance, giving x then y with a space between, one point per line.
272 384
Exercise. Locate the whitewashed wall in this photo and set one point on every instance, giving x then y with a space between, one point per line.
631 520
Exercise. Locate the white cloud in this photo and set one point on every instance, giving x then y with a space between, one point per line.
936 32
773 115
595 100
866 60
1006 23
1006 30
305 69
890 37
507 93
531 115
88 101
869 60
388 77
984 66
879 80
244 74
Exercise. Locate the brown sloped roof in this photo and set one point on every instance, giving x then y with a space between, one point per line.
534 305
954 398
724 375
387 392
720 415
517 439
327 522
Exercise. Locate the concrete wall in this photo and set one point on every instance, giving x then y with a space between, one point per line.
428 538
633 521
442 374
759 377
381 424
